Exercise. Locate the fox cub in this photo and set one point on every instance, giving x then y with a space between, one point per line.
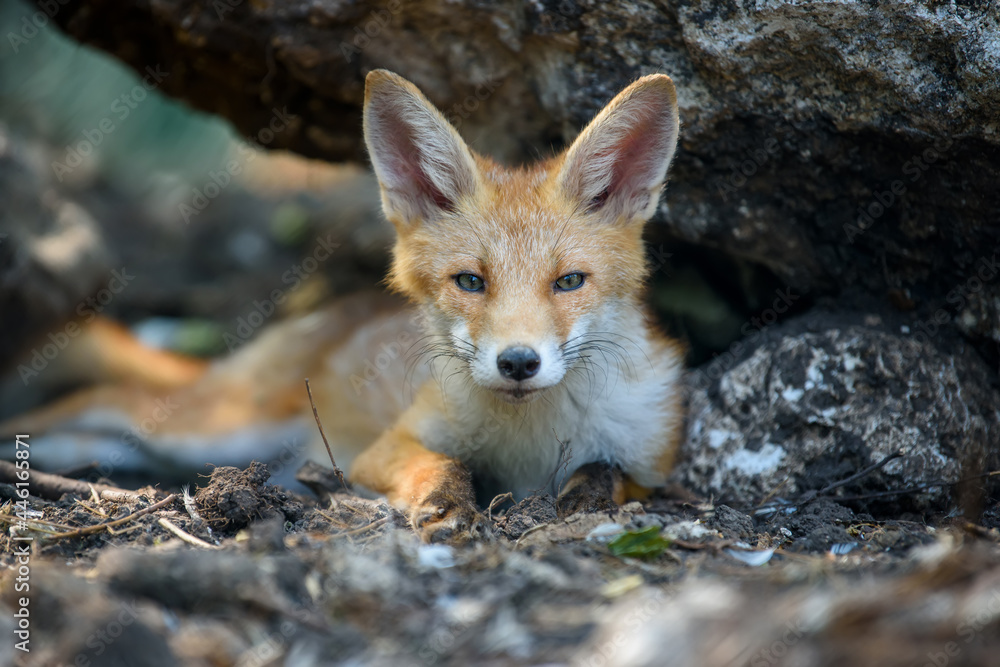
537 359
531 280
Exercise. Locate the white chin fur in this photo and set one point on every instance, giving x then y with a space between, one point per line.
517 395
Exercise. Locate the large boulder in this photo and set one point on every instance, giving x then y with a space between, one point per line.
805 409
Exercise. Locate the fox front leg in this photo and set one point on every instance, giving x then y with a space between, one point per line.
434 490
594 487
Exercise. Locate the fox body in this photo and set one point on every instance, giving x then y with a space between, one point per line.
536 358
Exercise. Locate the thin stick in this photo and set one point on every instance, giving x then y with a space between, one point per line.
336 522
95 511
192 510
36 525
503 497
533 529
187 537
362 529
811 495
336 469
52 487
90 530
860 473
920 487
771 494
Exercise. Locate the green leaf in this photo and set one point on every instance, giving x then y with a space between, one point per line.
645 543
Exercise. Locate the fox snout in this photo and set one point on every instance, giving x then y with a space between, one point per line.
515 367
522 371
518 363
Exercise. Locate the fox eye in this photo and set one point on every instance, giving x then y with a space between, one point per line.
569 282
470 282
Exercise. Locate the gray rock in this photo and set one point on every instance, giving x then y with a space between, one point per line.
795 115
805 409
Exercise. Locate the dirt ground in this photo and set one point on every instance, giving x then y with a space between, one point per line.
241 572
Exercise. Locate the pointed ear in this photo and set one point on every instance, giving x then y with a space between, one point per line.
616 167
422 165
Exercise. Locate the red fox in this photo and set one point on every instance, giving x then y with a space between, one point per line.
535 357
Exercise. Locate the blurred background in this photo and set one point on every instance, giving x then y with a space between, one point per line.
99 172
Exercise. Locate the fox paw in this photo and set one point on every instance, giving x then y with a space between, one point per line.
442 519
591 489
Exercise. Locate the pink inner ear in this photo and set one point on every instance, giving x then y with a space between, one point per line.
405 164
422 187
638 154
629 150
632 161
632 167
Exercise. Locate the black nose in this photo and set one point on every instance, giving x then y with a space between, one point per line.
518 363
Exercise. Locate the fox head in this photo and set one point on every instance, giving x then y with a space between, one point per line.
521 271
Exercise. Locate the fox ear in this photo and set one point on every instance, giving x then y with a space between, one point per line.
422 165
618 163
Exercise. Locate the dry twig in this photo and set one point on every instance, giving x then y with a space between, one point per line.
90 530
811 495
496 501
35 525
363 529
96 511
52 487
336 469
185 536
